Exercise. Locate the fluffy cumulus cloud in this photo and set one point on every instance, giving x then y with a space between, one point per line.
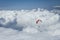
35 24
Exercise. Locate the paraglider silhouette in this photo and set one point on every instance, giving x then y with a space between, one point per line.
38 20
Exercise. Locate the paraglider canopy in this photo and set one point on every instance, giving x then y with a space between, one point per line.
38 21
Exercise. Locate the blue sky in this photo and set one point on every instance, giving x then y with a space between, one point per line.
28 4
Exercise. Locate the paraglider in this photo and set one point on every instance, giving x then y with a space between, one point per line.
37 21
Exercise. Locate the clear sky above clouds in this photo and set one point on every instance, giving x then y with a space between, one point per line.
28 4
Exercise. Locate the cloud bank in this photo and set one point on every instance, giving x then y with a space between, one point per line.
21 24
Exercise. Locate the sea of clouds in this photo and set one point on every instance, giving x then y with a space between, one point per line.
21 24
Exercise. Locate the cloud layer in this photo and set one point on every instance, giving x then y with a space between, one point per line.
21 24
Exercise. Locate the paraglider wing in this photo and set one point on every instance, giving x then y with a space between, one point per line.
37 21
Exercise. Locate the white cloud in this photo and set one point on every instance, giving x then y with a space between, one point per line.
25 20
56 6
